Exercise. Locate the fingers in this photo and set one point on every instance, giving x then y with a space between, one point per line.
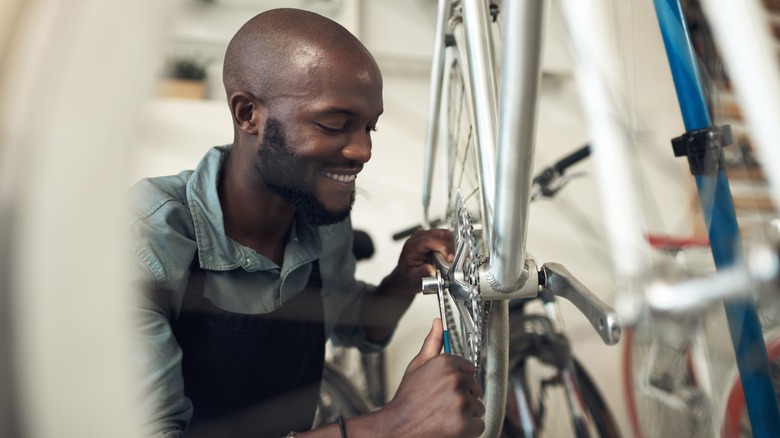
472 412
415 259
473 387
465 365
476 427
478 409
466 371
440 392
430 348
422 243
441 241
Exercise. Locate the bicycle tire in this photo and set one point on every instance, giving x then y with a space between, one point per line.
338 397
533 345
599 410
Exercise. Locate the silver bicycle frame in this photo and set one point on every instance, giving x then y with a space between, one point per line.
519 104
520 76
510 133
483 83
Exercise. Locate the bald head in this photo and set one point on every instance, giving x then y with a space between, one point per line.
284 47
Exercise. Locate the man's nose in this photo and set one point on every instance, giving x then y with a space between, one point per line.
359 147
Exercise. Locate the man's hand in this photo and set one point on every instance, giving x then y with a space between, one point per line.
382 309
414 262
438 395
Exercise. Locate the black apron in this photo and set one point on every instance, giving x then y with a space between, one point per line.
251 375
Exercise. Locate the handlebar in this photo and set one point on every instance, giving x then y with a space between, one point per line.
543 180
561 165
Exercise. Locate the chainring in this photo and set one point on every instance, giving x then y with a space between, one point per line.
462 291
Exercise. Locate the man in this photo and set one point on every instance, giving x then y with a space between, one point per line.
245 263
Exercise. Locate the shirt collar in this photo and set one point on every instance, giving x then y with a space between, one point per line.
216 251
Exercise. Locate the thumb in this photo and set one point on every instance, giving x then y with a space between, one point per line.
430 348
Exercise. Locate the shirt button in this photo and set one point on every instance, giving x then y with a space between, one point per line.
247 260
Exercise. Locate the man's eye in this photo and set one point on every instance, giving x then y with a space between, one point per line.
331 129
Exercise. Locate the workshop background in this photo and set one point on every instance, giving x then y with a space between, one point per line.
90 106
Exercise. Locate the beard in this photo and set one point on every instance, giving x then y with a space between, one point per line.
285 174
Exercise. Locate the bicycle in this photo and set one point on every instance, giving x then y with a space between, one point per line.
540 357
489 217
676 391
543 372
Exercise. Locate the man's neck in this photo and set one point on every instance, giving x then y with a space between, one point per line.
254 216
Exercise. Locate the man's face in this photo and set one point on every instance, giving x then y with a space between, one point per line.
317 136
293 178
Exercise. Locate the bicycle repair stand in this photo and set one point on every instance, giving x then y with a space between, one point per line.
702 144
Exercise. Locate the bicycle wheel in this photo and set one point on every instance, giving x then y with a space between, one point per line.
338 397
668 379
664 392
547 381
467 316
465 312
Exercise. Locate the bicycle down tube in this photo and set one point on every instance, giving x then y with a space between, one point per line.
520 84
506 189
703 146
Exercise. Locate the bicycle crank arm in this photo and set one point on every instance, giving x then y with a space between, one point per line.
560 282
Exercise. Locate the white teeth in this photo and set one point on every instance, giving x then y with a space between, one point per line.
340 178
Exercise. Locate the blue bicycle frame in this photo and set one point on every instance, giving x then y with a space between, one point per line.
720 218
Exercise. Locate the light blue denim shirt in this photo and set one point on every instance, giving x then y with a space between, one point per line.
175 215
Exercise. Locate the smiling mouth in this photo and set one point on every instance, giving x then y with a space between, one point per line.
343 178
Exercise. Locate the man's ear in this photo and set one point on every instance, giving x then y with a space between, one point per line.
247 112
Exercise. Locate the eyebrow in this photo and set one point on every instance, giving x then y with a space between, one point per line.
344 111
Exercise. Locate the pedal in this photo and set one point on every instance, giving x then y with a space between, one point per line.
562 283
